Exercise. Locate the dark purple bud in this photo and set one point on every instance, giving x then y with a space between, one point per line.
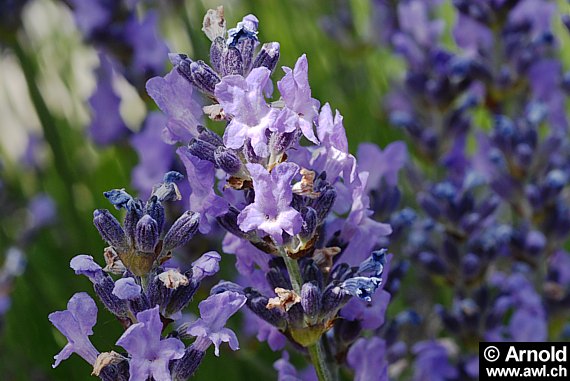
347 331
523 155
227 160
200 75
181 231
146 236
268 56
471 265
311 300
202 150
118 197
229 222
134 214
333 299
158 293
176 58
209 136
186 366
216 50
231 62
432 263
246 47
324 203
180 297
109 228
257 303
155 209
104 290
276 279
535 242
312 273
555 181
429 205
309 223
295 315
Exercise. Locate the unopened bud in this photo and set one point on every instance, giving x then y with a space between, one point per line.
181 231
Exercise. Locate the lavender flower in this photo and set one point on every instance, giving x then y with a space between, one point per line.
243 100
76 324
149 355
271 211
214 313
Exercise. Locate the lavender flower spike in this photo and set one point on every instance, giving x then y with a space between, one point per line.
149 355
214 312
76 323
271 211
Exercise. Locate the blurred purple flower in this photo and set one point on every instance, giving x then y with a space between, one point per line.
155 156
149 50
175 97
107 126
432 362
367 357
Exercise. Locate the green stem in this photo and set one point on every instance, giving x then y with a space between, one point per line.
319 362
48 123
294 271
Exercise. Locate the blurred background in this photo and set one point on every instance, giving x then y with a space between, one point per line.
55 166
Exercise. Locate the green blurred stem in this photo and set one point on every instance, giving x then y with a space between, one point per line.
319 362
47 121
294 271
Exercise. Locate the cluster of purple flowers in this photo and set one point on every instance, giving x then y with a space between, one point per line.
148 294
480 207
294 203
489 179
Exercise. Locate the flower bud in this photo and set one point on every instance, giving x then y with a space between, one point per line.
227 160
333 298
202 149
181 231
134 213
312 273
311 300
209 136
309 226
231 63
267 56
109 228
258 304
147 234
185 367
104 291
277 279
324 203
216 50
180 297
158 293
347 331
246 48
155 210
